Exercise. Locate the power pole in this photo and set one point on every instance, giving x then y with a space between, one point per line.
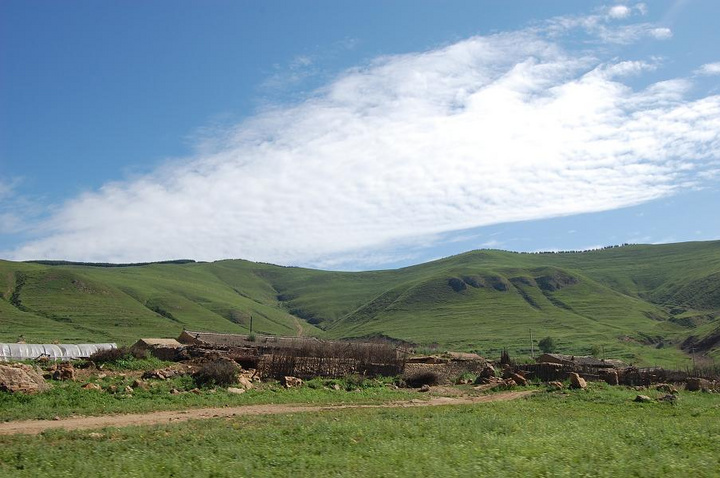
532 346
250 324
692 351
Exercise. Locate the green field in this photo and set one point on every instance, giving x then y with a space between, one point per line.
69 398
638 302
599 432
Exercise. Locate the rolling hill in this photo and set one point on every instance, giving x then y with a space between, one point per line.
647 304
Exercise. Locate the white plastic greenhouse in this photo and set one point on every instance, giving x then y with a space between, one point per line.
10 352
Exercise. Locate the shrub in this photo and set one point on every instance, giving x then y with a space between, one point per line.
422 378
115 355
354 381
220 372
465 376
547 345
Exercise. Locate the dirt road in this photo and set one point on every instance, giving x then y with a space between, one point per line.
34 427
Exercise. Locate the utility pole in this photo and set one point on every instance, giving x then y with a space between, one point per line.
692 351
250 324
532 346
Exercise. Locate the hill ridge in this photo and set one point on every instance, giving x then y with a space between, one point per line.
638 302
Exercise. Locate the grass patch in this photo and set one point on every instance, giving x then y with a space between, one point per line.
69 398
595 433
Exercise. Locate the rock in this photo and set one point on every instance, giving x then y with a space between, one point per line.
156 374
245 382
487 372
139 384
424 388
21 378
64 371
519 379
506 384
697 384
56 418
670 398
666 387
555 385
195 391
291 382
101 376
92 386
235 390
128 389
174 391
336 387
643 399
576 381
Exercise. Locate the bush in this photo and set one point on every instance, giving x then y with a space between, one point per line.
220 372
115 355
419 379
547 345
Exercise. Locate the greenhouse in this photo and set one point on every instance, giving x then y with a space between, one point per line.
10 352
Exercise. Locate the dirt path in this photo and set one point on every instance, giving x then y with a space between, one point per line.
298 326
34 427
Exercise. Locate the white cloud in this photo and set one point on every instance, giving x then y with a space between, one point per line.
709 69
661 33
619 11
491 129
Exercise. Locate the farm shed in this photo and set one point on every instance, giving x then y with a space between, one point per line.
164 349
9 352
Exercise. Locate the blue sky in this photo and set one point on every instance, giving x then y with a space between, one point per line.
354 135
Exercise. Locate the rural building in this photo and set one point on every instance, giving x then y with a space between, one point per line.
10 352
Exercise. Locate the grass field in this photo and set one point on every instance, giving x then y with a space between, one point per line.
637 303
69 398
600 432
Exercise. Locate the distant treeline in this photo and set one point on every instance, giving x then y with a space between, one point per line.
107 264
580 252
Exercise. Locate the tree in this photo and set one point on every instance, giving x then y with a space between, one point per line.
547 345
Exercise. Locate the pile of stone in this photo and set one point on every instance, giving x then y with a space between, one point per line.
21 378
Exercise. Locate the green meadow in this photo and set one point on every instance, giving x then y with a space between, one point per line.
639 303
598 432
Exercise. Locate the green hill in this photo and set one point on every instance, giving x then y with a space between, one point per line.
642 303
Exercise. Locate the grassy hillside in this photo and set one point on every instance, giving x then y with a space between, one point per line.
642 303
